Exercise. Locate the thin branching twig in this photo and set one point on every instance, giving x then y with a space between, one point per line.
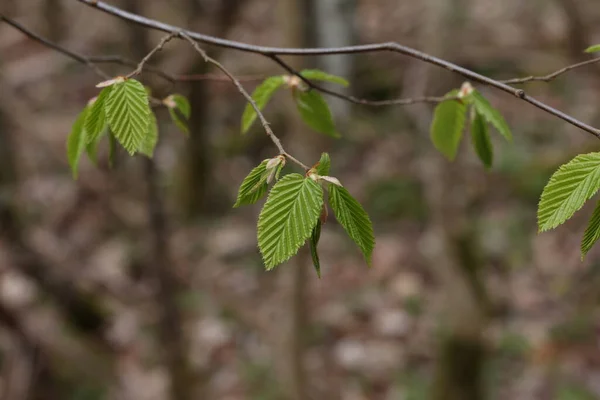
270 52
249 98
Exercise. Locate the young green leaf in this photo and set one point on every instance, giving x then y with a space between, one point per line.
151 139
324 165
491 115
178 104
568 189
353 218
318 75
179 123
315 112
592 232
91 148
593 49
95 121
288 218
254 186
261 96
128 114
447 127
183 105
480 138
112 149
76 142
314 241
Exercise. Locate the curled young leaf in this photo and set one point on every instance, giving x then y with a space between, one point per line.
480 137
314 242
76 142
324 164
254 186
318 75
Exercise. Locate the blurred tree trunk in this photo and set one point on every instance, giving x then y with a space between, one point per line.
196 192
296 19
450 247
578 33
335 27
56 26
174 346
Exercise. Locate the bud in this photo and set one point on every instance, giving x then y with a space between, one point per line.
274 162
465 90
331 179
169 102
292 81
271 176
110 82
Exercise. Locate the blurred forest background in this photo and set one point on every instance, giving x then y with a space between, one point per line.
142 283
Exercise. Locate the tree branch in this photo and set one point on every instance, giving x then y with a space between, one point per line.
156 49
270 52
249 98
75 56
553 75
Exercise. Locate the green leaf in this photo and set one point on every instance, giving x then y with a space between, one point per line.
592 232
353 218
315 112
480 137
447 127
593 49
149 143
318 75
179 106
314 241
568 189
183 105
179 123
95 121
112 149
254 186
324 165
288 218
261 96
491 115
92 147
128 114
76 142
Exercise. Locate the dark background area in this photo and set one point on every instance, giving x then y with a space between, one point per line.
129 279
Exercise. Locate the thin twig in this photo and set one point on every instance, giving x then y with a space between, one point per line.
352 99
113 59
249 98
155 50
69 53
368 48
90 60
553 75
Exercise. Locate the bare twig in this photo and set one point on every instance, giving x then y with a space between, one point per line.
249 98
143 67
352 99
553 75
156 49
368 48
75 56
